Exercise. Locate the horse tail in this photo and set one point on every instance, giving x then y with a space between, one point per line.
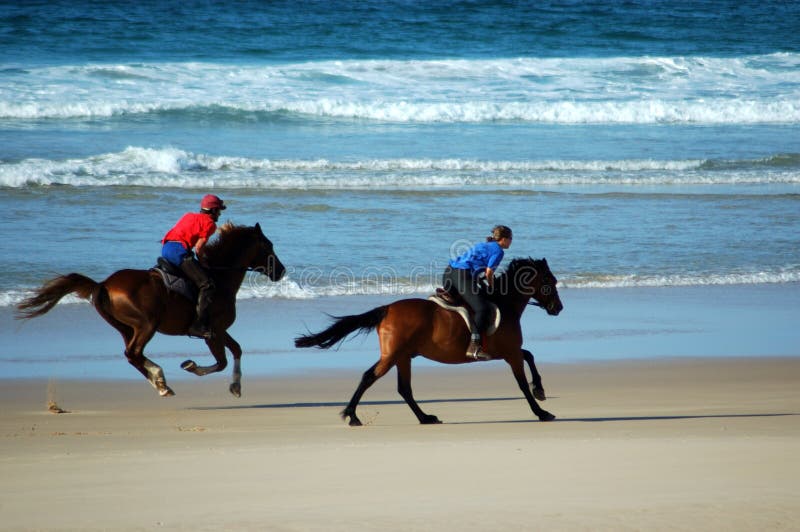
343 326
46 297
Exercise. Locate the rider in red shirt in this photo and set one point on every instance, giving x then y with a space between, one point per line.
184 243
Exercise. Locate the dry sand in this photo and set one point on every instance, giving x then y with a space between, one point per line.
671 445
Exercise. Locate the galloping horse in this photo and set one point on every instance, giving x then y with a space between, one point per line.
137 304
412 327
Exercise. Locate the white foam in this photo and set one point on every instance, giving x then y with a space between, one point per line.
638 90
11 298
631 281
651 111
170 167
291 289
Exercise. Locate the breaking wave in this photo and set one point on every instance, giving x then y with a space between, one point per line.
169 167
292 289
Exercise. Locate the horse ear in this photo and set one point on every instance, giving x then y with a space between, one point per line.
258 226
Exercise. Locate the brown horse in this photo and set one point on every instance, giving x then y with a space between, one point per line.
137 304
412 327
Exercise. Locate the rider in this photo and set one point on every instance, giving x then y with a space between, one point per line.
187 239
462 276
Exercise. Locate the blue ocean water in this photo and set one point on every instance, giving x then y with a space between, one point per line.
632 144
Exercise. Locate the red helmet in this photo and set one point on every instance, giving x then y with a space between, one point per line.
210 202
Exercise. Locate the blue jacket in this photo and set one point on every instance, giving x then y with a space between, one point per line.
479 257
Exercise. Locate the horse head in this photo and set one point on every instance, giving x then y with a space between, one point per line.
533 278
245 247
265 260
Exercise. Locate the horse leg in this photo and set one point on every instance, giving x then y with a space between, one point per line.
127 337
374 373
134 352
135 340
536 380
217 347
519 374
404 388
236 350
367 380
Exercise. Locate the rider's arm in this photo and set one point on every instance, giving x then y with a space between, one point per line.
490 277
198 248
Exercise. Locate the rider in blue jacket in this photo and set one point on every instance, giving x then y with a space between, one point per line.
462 275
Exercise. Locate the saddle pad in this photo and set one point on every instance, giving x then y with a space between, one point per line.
464 313
178 285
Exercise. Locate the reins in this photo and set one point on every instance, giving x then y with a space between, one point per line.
231 268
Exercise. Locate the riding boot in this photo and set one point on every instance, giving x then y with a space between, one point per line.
475 350
206 287
200 326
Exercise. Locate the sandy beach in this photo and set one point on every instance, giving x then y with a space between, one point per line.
681 444
650 151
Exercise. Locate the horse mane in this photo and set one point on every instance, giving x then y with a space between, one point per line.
230 240
518 264
506 287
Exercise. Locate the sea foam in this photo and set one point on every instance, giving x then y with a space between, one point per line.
170 167
292 289
615 90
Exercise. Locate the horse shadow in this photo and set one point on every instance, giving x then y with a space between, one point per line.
608 419
323 404
601 419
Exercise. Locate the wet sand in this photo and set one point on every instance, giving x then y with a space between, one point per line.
679 444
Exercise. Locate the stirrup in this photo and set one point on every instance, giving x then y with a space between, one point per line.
475 352
200 332
480 355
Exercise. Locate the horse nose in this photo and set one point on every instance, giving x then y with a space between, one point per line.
278 271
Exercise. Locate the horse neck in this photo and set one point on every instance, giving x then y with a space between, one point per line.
230 276
511 299
518 304
229 279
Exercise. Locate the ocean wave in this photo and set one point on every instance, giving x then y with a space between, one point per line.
169 167
626 90
781 160
649 111
655 281
291 289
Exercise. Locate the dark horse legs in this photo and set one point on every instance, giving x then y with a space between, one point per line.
367 380
404 388
536 380
519 374
374 373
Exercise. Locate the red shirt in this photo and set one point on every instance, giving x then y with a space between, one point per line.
190 228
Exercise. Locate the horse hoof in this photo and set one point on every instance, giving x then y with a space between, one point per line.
189 365
430 420
166 391
546 416
235 389
539 394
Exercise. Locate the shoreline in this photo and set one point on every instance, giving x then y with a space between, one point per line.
596 324
657 445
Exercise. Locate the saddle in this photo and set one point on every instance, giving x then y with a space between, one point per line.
175 280
454 303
